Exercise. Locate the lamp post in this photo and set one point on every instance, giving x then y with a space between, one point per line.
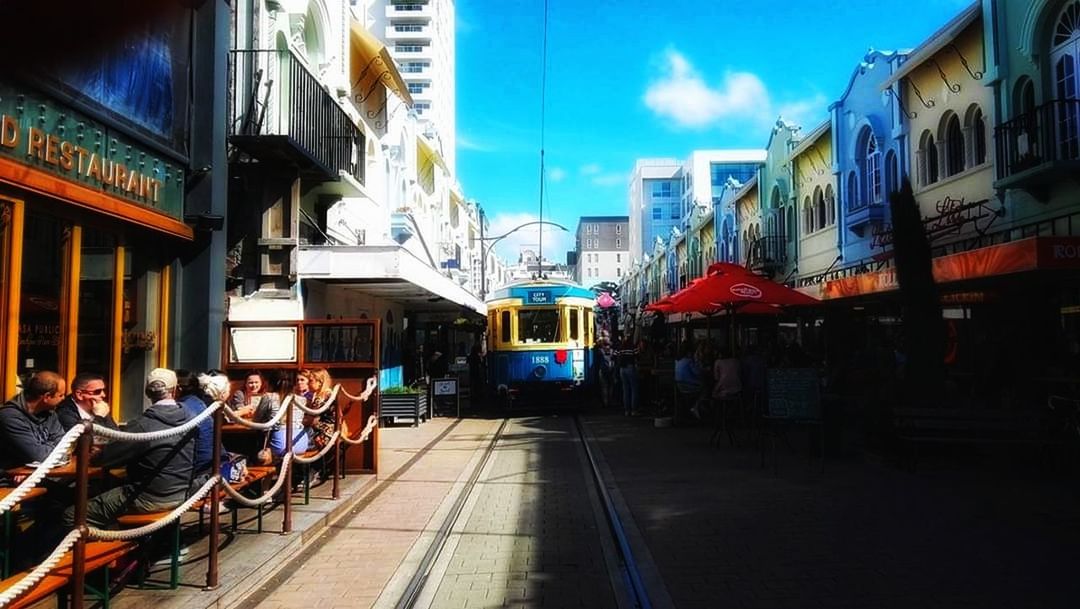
485 250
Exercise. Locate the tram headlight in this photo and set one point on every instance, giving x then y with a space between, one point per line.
540 372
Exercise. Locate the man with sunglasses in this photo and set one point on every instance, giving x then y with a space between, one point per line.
86 402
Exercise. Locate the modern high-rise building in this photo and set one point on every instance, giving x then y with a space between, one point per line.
603 249
655 202
420 37
705 175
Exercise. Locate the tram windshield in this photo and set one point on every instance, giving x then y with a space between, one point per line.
538 325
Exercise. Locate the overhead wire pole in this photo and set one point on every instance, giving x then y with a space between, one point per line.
543 93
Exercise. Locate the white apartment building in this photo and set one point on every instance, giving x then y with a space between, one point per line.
419 34
603 249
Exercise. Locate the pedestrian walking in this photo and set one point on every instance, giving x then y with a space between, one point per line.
626 358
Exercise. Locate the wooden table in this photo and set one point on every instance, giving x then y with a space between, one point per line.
67 470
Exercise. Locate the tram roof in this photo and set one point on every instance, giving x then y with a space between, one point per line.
558 289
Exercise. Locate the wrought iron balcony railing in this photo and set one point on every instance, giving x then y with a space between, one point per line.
1040 139
279 111
767 253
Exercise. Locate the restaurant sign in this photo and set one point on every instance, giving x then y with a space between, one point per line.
952 217
39 132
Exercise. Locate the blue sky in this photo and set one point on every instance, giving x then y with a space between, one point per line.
637 78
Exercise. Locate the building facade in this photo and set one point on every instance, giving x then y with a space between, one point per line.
112 197
603 249
374 226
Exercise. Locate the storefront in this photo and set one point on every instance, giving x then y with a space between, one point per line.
90 227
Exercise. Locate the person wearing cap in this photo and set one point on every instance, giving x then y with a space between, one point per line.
159 472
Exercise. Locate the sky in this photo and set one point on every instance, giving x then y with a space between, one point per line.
629 79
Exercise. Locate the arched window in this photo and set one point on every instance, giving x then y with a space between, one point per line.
975 125
819 209
830 205
953 138
928 159
1024 97
868 160
808 217
852 192
1065 58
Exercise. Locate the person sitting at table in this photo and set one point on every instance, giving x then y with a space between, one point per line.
29 427
245 400
189 395
286 383
159 472
86 402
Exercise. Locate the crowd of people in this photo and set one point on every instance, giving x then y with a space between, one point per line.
704 373
159 474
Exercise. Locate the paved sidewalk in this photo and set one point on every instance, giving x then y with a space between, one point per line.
357 556
726 533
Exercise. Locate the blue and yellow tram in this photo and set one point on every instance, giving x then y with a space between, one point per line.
540 335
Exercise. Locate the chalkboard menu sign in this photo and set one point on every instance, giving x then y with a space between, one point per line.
793 393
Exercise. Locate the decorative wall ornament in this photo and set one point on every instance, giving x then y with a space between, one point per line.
977 75
900 102
954 87
926 103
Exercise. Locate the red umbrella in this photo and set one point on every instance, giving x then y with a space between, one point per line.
727 286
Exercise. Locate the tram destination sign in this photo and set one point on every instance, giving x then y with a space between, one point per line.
39 132
538 297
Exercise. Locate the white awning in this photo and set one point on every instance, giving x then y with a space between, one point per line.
386 271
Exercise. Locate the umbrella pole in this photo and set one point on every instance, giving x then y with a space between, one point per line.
731 311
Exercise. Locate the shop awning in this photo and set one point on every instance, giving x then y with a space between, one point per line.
371 60
386 271
1034 253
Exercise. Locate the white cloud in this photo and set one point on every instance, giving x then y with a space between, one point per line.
610 179
557 174
556 241
807 112
682 95
589 169
465 142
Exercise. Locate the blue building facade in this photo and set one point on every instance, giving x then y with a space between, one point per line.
662 208
869 154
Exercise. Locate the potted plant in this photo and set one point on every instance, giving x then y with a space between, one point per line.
403 402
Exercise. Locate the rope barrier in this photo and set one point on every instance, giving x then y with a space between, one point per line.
332 442
260 426
364 433
372 384
157 525
283 475
150 436
59 452
40 571
326 405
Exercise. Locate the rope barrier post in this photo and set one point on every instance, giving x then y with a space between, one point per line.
215 504
336 494
82 482
286 489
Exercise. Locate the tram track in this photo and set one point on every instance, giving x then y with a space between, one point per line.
625 576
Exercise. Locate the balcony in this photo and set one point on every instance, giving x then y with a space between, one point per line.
768 255
408 31
409 10
1039 148
279 112
862 216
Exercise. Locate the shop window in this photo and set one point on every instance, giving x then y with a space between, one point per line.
45 240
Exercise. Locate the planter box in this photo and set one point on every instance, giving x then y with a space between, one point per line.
412 405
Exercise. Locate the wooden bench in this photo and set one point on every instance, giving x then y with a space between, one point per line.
255 474
9 525
99 555
916 426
